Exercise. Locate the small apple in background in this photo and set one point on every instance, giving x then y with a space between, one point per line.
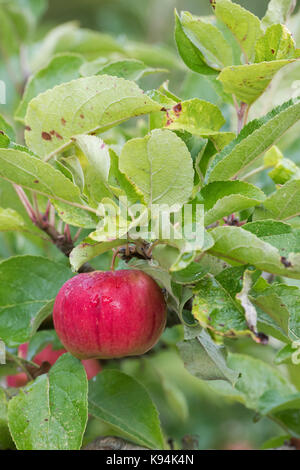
109 314
48 354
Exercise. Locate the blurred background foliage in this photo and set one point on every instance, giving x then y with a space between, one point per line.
189 409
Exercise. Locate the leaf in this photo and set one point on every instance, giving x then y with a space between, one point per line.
281 303
226 197
276 44
7 128
196 116
51 413
284 203
240 246
245 26
118 178
27 285
25 170
208 39
10 220
253 141
243 297
89 104
97 168
191 274
248 82
130 69
277 12
68 37
88 250
190 54
213 307
5 437
160 166
61 68
120 401
204 359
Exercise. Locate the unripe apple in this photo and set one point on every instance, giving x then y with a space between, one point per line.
48 354
109 314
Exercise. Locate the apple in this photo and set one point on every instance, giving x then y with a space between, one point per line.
48 354
109 314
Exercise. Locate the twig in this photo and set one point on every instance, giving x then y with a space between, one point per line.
46 222
19 363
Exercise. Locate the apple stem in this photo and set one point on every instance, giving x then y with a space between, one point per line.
112 266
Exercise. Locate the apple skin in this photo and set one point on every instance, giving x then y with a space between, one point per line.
109 314
48 354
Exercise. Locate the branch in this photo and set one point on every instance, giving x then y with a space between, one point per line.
46 223
112 443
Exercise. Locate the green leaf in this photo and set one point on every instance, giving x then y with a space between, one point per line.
215 308
248 82
160 166
190 54
97 168
120 401
281 302
27 285
130 69
119 179
284 203
263 389
7 128
276 44
191 274
277 12
61 68
25 170
5 437
89 104
226 197
196 116
204 359
241 246
88 250
68 37
245 26
284 171
51 413
208 39
10 220
253 141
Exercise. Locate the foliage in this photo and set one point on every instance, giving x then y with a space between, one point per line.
83 132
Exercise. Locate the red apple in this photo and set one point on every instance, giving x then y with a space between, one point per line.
48 354
109 314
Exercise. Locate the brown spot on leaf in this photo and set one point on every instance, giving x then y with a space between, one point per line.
63 121
273 51
2 133
36 181
285 262
27 128
52 132
58 136
46 136
82 116
177 109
